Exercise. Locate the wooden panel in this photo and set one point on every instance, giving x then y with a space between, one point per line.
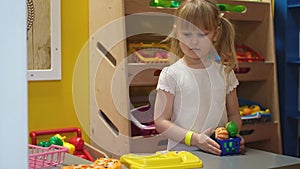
258 132
110 128
254 71
144 74
263 136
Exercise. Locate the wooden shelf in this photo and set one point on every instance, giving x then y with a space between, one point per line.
256 11
259 81
143 74
254 71
258 132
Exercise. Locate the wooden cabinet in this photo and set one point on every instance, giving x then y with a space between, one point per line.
111 129
287 31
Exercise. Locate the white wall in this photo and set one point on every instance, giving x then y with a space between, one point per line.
13 85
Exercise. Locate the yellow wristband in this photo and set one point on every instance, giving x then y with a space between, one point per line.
188 137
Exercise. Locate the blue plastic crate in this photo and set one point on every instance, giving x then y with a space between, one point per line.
230 146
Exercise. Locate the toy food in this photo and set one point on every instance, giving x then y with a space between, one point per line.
227 138
69 146
232 129
55 140
44 143
221 133
246 111
101 163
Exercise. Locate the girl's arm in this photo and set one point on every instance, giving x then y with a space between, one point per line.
232 106
233 113
162 117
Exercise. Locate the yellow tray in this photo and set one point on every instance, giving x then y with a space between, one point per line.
162 160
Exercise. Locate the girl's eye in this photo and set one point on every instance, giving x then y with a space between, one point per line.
202 34
187 34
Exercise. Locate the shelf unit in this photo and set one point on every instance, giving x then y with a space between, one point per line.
114 72
287 29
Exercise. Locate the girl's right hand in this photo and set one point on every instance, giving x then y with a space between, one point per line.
205 143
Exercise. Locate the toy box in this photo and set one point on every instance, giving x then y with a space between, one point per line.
149 53
229 146
162 159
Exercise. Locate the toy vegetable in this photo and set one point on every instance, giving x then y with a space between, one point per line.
232 129
55 140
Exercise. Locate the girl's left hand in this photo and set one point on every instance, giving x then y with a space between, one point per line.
242 144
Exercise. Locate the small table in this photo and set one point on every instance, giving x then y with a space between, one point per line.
250 160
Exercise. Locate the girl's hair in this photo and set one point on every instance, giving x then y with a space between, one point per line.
205 15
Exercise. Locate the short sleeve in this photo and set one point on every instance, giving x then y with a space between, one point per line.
232 82
166 81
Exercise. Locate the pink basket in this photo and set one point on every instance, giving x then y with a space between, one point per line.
41 157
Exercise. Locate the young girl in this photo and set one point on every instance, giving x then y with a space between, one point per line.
197 93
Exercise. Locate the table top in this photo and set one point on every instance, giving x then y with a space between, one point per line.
251 159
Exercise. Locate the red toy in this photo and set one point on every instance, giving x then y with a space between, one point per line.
78 142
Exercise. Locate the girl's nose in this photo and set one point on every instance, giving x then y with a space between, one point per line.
194 41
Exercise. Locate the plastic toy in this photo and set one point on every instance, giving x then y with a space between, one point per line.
221 133
247 54
55 140
70 146
76 141
44 143
232 8
227 138
101 163
162 159
165 3
230 146
149 53
45 157
232 129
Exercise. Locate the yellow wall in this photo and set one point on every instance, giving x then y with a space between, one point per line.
50 102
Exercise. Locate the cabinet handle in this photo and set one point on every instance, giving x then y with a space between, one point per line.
242 70
246 132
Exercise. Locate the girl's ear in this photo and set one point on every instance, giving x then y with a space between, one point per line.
216 34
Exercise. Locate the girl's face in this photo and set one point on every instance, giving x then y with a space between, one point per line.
196 43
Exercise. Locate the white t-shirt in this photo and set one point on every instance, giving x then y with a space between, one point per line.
200 97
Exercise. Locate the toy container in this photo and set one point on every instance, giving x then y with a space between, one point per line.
162 159
41 157
229 146
142 123
149 53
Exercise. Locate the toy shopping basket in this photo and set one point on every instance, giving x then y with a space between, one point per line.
41 157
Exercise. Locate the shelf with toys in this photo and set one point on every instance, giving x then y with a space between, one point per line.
257 72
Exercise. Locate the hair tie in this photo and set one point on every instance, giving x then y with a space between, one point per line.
221 15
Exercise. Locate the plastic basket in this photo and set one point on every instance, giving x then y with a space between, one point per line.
41 157
246 54
229 146
149 53
142 121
